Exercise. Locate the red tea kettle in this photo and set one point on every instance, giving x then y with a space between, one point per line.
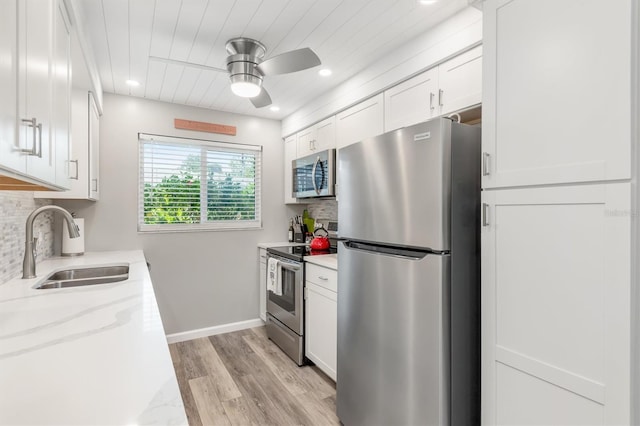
320 242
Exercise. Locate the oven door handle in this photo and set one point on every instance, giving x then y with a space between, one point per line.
290 267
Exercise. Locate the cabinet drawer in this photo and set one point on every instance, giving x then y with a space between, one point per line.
324 277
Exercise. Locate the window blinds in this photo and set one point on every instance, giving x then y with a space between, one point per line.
190 184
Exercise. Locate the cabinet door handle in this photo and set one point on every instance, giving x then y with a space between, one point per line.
431 96
39 140
485 214
485 164
37 128
440 93
76 175
320 277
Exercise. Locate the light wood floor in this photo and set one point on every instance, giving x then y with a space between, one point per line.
242 378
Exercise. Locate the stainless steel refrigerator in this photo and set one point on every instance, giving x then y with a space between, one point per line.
409 277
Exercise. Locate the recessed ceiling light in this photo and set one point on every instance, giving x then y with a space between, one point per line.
133 83
325 72
275 108
427 2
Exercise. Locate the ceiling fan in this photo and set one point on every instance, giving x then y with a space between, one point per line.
247 68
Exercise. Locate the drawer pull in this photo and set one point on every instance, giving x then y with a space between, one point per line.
323 278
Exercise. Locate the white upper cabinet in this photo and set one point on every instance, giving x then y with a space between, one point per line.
61 97
449 87
411 101
94 149
460 82
361 121
557 91
35 75
10 157
290 154
83 166
35 82
304 142
319 137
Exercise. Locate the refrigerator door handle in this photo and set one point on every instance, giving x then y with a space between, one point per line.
389 251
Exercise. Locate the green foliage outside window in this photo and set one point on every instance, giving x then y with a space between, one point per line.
230 191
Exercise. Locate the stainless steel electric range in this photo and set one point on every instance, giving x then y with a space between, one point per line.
285 312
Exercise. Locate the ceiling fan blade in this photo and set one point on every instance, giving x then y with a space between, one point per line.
262 100
187 64
295 60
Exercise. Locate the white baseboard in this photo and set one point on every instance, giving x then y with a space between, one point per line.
211 331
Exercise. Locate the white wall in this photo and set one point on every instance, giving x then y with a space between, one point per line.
201 279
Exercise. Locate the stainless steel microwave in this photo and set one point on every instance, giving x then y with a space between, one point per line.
314 175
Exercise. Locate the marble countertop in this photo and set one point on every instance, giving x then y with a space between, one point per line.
86 355
326 260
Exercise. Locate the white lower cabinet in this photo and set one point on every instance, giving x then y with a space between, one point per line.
321 318
556 317
262 282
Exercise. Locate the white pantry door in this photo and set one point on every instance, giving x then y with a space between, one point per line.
556 305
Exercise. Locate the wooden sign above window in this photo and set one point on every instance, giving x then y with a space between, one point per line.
201 126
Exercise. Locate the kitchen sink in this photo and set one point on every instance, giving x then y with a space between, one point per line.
77 277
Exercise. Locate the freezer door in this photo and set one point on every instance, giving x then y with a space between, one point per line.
393 343
395 188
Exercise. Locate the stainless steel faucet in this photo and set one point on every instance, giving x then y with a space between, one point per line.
29 262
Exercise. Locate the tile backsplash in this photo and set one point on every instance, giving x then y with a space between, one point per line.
15 206
323 209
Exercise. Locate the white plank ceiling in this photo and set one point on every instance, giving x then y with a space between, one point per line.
347 35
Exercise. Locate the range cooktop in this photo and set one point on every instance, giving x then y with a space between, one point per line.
298 253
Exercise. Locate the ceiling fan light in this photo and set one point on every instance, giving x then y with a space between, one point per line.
246 85
245 89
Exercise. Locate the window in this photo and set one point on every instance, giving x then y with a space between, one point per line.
190 184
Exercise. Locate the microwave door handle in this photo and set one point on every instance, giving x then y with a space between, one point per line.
313 175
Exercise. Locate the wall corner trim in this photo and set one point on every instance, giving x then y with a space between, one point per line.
211 331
